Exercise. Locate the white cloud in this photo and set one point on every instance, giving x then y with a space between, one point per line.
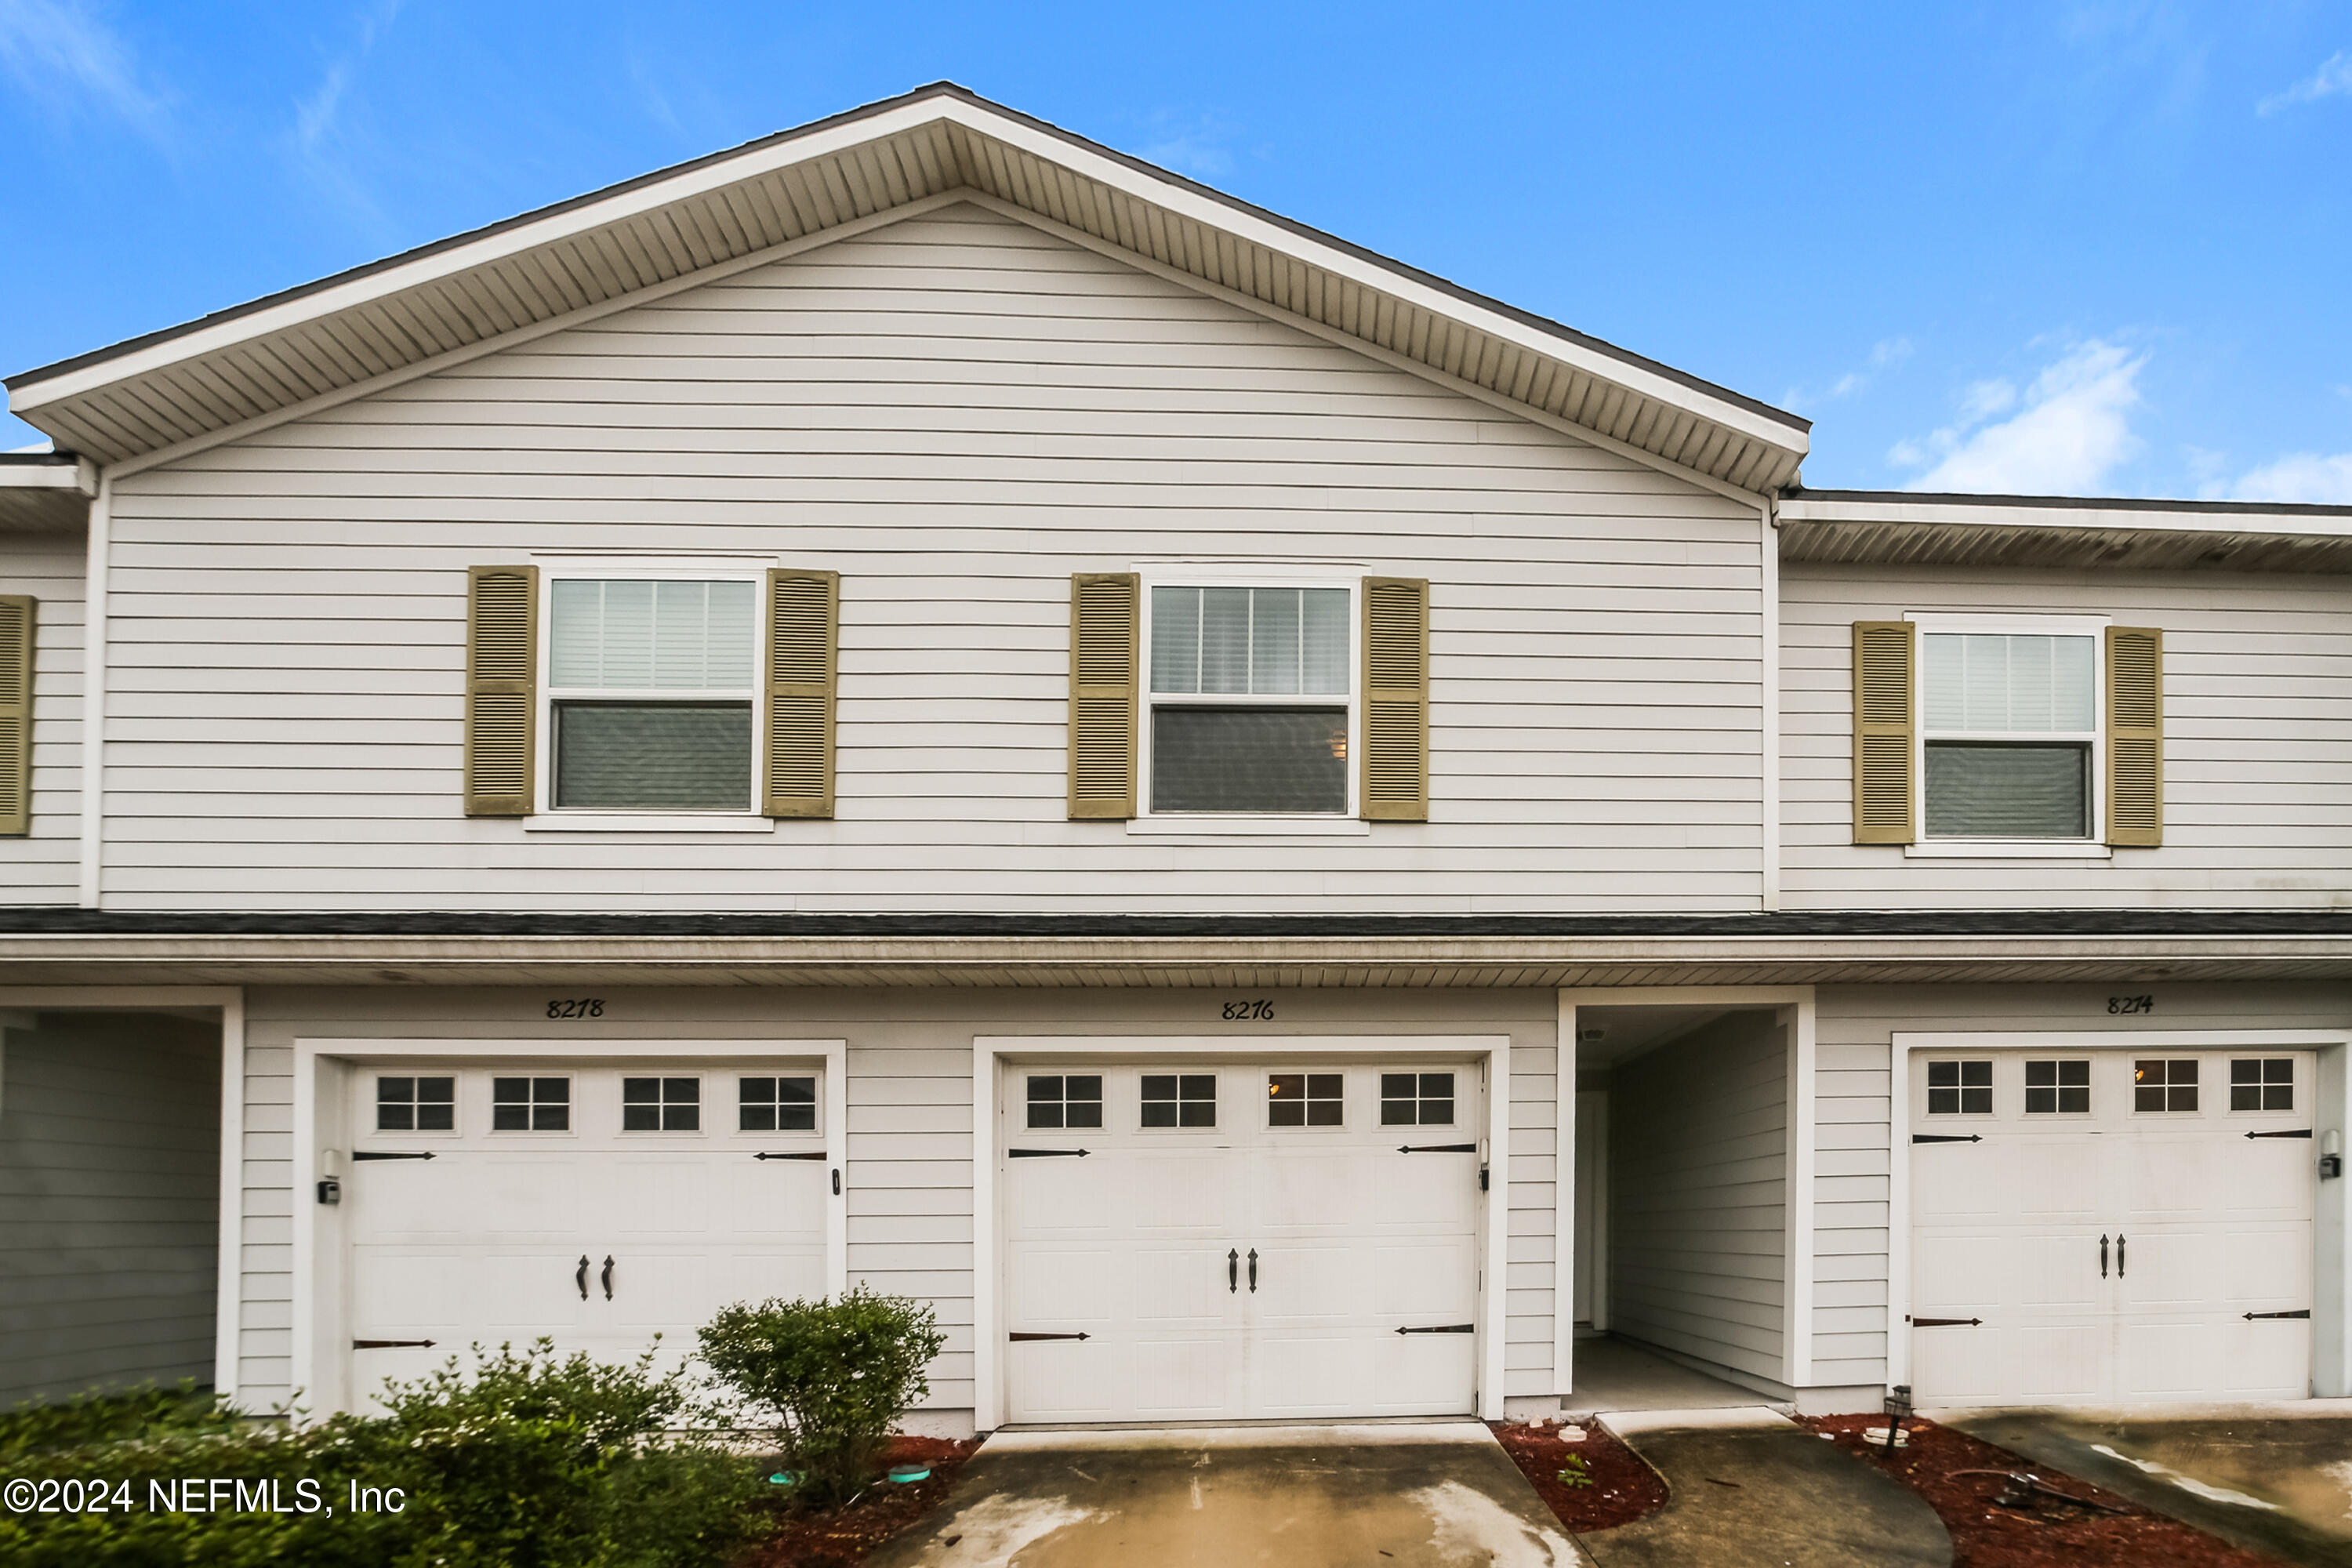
325 146
2331 78
2072 430
1884 355
61 51
2298 476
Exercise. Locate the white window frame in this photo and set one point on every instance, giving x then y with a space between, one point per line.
550 817
1147 700
2093 845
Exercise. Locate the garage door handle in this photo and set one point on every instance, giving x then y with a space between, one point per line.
2298 1312
1252 1271
2102 1257
2119 1255
1232 1271
608 1277
581 1278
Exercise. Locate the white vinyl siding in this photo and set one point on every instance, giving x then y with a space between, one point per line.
1699 1197
1854 1124
956 412
909 1119
2257 740
44 867
109 1176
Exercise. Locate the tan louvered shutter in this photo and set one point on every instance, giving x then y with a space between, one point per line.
1396 700
2134 736
501 688
803 658
1106 631
17 623
1882 655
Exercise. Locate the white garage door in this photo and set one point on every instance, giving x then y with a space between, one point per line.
2100 1226
594 1205
1218 1242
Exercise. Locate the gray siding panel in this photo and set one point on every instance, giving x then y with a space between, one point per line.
2257 744
955 412
1697 1186
109 1163
45 865
909 1180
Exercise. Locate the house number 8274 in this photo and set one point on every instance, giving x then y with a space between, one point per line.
2131 1004
578 1007
1258 1009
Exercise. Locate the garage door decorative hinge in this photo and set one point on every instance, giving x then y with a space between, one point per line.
1944 1323
1018 1338
1948 1137
796 1155
2298 1312
1045 1153
391 1344
1444 1329
371 1154
1437 1148
2296 1132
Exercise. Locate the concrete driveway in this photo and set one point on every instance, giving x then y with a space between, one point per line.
2276 1483
1421 1496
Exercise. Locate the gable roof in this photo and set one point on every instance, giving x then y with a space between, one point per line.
257 359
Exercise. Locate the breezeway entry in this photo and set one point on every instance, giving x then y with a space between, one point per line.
1257 1238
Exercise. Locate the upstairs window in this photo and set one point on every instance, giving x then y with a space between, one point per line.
1251 700
2009 724
650 687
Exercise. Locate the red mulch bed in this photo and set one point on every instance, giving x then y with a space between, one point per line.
1624 1488
840 1537
2048 1535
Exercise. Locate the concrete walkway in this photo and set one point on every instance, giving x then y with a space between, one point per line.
1752 1489
1419 1496
2279 1485
1617 1375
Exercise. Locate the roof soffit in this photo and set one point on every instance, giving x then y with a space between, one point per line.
277 354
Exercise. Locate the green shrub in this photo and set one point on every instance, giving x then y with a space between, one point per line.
108 1417
523 1460
828 1379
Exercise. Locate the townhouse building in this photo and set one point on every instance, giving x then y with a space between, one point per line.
922 702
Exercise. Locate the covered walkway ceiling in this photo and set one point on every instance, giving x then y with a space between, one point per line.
188 383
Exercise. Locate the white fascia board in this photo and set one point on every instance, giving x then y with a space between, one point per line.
1992 512
80 477
457 259
1245 225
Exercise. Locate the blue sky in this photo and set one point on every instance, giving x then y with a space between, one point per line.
2068 248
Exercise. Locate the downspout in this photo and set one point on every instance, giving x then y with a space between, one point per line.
1770 541
93 690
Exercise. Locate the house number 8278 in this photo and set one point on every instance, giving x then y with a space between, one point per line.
579 1007
1258 1009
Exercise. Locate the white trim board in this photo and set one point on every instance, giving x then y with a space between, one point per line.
2331 1322
309 1267
1796 1006
990 1052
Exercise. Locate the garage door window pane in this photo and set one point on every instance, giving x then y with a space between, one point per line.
1416 1100
1065 1099
416 1104
1249 759
776 1104
2265 1083
661 1105
1173 1100
2057 1089
531 1104
1960 1089
1304 1099
2164 1086
653 756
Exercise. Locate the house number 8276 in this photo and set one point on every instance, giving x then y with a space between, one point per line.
578 1007
1258 1009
